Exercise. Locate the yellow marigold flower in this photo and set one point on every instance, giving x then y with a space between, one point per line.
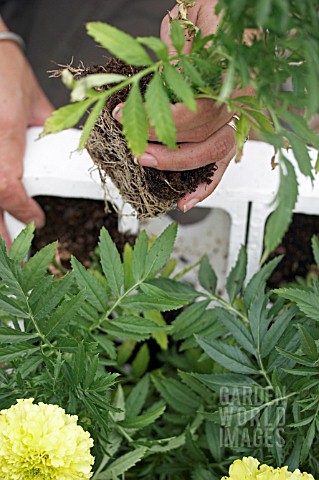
245 469
42 442
249 468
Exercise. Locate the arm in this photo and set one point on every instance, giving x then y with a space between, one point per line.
22 104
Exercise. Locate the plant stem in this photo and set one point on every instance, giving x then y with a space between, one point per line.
229 307
38 330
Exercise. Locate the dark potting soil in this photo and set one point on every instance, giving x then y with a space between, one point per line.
298 258
76 224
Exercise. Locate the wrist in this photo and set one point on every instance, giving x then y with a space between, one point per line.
7 36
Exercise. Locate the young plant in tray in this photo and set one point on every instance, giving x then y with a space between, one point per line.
285 51
163 397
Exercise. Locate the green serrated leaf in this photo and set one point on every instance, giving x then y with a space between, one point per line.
11 335
106 345
218 382
119 43
261 121
259 318
301 153
131 327
308 441
66 117
179 86
308 344
12 306
186 323
295 358
300 126
174 288
135 125
208 325
177 395
159 47
213 440
238 329
139 256
307 301
237 275
145 419
96 293
159 111
92 119
228 83
195 454
64 314
230 357
79 364
160 251
35 269
136 399
111 263
286 198
53 295
195 385
258 280
22 244
93 80
160 301
123 464
243 128
276 331
177 36
10 273
207 276
12 352
191 72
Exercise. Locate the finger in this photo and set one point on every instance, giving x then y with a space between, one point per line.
165 33
207 112
204 190
190 126
4 232
200 15
188 156
15 200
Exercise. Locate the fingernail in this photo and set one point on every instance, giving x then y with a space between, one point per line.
190 204
117 112
147 160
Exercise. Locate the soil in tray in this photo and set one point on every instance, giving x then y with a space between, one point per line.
76 224
296 247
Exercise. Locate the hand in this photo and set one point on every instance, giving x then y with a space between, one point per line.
203 136
22 104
